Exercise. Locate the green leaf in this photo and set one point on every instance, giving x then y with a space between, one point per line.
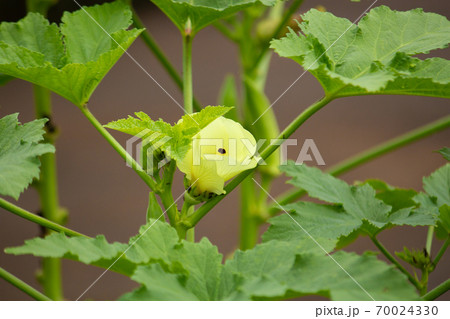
19 150
153 243
311 224
397 198
443 224
358 201
273 270
363 209
157 242
141 125
57 245
196 267
169 269
374 57
70 60
204 265
174 140
445 151
92 251
160 285
257 270
438 185
201 13
321 275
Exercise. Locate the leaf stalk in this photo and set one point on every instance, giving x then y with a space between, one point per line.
438 291
119 149
16 282
369 155
38 219
391 258
159 54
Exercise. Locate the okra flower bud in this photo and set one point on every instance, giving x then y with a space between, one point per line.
219 152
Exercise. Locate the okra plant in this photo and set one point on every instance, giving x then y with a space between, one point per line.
235 144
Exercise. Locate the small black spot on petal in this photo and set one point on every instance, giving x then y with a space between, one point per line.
222 151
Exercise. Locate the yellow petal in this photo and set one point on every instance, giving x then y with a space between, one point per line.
186 164
205 178
219 152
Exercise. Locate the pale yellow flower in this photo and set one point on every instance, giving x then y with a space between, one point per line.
219 152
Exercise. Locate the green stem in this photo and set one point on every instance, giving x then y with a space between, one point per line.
429 239
119 149
187 71
287 132
165 193
369 155
285 19
38 219
187 210
424 282
438 291
441 251
161 56
249 225
51 278
391 258
190 235
188 96
30 291
264 128
48 194
392 144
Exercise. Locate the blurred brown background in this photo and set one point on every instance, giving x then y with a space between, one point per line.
104 196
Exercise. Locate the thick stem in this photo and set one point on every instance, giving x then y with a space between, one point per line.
48 193
16 282
249 223
187 72
263 128
187 210
161 56
190 235
287 132
441 251
429 241
119 149
52 278
283 22
438 291
165 193
371 154
37 219
424 282
391 258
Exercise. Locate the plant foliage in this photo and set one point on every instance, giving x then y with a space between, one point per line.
73 58
169 269
201 13
20 146
375 56
175 139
